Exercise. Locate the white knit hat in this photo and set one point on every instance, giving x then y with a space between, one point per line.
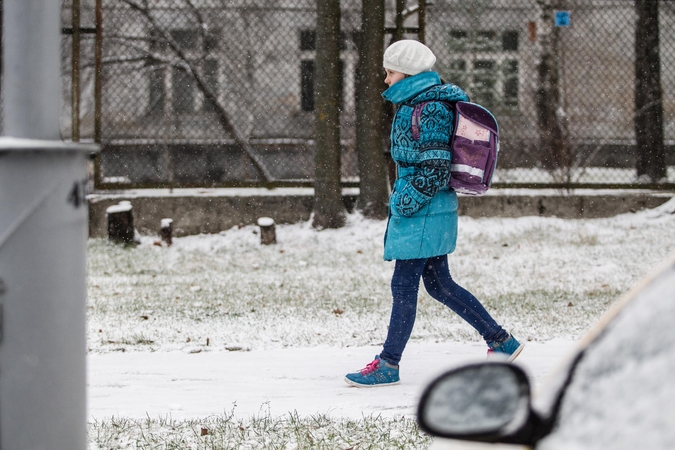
409 57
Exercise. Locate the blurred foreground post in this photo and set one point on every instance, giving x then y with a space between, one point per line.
43 238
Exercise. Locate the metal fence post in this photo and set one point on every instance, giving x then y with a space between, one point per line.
75 83
43 232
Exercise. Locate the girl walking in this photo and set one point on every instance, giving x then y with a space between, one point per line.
422 226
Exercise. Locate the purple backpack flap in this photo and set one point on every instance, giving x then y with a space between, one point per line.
474 145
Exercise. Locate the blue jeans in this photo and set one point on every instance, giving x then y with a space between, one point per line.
440 285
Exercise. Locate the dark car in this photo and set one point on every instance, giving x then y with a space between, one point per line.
616 392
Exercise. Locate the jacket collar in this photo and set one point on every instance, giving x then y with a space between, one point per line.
409 87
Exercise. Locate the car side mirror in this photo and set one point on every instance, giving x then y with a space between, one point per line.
487 402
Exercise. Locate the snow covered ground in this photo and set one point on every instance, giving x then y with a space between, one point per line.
305 380
217 324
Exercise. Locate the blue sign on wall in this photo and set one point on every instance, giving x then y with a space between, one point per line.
562 18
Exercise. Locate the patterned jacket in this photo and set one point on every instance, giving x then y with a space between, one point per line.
422 209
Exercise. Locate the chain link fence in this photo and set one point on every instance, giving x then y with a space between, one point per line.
205 92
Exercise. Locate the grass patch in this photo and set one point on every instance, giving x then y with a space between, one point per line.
260 432
538 277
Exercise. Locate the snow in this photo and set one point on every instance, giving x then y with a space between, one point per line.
123 206
307 380
255 373
265 221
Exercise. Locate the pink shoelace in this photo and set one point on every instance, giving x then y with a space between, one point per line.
371 367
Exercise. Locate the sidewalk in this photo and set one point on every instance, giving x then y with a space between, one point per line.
306 380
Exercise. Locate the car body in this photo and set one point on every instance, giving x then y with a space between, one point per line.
617 391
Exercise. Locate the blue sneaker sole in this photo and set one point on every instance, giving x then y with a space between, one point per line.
359 385
515 354
504 356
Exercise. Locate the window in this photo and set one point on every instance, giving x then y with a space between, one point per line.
179 81
182 91
157 41
186 39
156 90
212 40
211 77
484 81
307 85
307 40
510 74
510 41
485 63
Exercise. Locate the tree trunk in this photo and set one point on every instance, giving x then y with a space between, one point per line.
651 161
328 206
121 223
166 231
556 153
374 193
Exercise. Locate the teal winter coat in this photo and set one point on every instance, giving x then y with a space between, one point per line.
422 208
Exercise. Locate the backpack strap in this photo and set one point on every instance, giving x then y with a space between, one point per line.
417 114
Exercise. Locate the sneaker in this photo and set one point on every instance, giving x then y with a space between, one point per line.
377 373
510 348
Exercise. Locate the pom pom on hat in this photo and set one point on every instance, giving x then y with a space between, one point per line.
409 57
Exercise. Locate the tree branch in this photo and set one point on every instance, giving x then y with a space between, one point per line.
223 116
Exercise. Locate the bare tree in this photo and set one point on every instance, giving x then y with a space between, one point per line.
369 113
328 206
191 67
557 155
651 160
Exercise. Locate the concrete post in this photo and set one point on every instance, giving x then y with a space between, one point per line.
43 233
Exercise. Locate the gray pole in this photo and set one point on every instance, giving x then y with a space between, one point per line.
31 80
43 233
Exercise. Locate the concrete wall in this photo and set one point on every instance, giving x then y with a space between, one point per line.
213 210
580 206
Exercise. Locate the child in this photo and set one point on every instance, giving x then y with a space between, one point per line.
422 227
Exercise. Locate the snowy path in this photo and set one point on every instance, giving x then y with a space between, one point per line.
306 380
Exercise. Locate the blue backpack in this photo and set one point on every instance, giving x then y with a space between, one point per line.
474 145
